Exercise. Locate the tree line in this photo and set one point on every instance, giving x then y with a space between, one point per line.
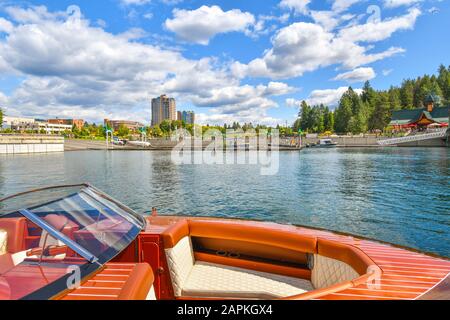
371 110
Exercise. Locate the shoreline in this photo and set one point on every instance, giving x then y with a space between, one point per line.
167 145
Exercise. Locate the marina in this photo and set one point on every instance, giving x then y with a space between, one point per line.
371 192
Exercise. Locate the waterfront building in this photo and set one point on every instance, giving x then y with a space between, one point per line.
163 108
50 128
188 117
34 125
131 125
11 122
78 123
432 115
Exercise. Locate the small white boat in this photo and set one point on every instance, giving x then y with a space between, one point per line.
325 143
139 143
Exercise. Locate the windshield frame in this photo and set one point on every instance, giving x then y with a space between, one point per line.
93 263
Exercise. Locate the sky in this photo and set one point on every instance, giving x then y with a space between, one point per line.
227 60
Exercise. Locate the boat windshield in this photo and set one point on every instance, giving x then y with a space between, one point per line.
50 233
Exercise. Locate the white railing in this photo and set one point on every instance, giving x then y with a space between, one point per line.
412 138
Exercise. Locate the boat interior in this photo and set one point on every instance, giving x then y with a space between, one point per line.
200 258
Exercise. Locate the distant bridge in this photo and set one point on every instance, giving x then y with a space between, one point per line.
417 137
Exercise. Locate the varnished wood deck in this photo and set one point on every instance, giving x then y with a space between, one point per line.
105 285
406 274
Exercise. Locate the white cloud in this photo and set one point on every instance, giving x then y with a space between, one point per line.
148 16
302 47
356 75
3 100
171 2
34 15
399 3
329 97
202 24
327 19
291 102
243 104
377 31
5 25
343 5
330 19
134 2
266 24
298 6
233 97
102 23
98 74
386 72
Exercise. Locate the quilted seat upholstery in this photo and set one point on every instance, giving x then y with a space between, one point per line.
192 278
336 265
213 280
328 271
181 261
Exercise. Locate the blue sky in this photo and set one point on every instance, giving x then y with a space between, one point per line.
250 61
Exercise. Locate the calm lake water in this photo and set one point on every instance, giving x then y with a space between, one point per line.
399 195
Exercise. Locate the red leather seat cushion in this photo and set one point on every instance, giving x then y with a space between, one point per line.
15 227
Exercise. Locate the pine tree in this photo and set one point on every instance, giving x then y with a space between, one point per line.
328 119
304 115
368 95
407 94
381 115
443 80
395 102
343 113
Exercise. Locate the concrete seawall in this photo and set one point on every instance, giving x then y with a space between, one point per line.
343 141
22 144
155 144
164 144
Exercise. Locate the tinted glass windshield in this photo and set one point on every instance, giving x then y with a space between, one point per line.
55 229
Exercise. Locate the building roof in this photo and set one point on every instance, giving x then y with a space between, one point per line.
439 114
432 98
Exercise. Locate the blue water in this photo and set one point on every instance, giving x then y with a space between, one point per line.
398 195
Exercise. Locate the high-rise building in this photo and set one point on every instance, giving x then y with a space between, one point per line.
163 108
188 117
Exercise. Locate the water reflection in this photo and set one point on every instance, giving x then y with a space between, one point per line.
397 195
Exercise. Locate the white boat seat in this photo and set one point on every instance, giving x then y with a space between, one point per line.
220 281
192 278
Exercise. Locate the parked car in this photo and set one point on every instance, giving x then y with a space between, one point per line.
118 141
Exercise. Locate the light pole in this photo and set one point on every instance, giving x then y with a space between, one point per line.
108 132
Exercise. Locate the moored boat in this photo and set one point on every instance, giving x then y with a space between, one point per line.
324 143
75 242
